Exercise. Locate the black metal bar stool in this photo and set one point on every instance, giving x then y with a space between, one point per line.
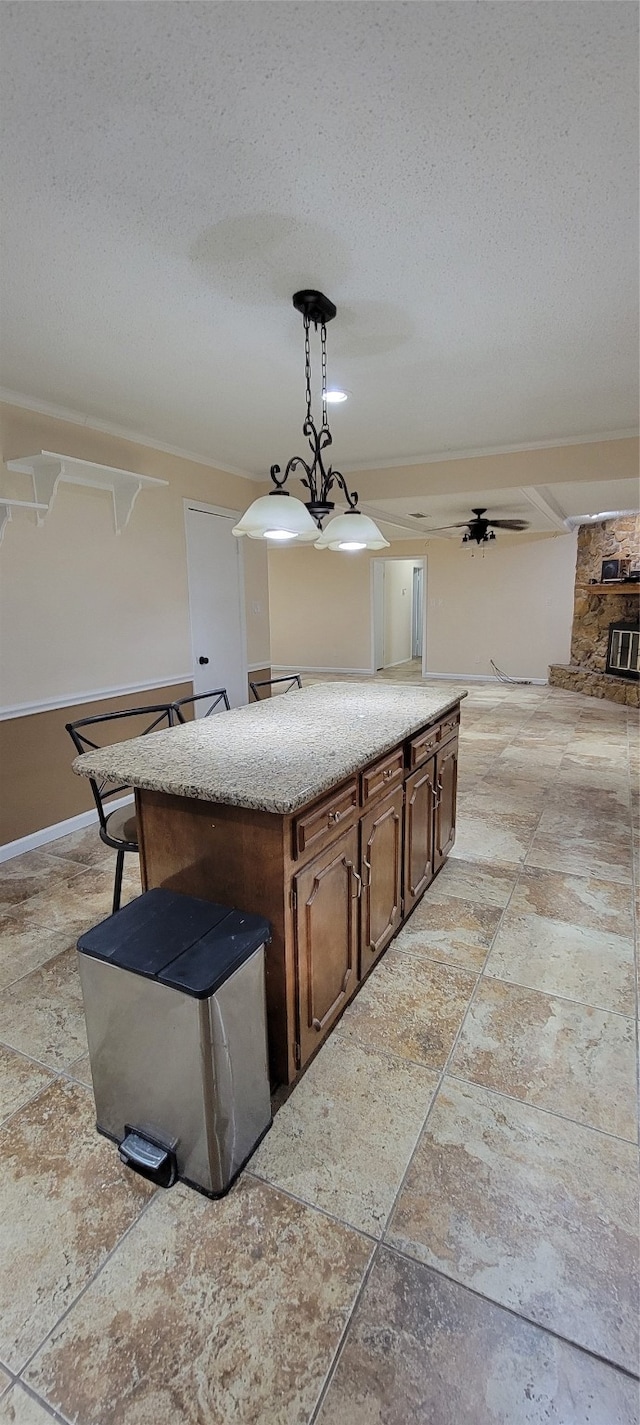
118 827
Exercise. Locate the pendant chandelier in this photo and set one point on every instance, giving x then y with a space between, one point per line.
279 517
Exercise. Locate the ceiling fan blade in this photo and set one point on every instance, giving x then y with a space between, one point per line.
443 527
509 524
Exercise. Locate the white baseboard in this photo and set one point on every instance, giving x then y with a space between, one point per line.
53 833
301 668
483 678
257 667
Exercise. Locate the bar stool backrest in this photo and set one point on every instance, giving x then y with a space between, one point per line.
103 791
292 681
219 701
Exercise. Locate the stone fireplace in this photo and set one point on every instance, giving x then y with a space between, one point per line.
599 607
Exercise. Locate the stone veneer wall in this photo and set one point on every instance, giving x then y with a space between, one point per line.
593 612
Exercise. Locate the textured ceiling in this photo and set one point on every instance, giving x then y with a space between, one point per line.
461 179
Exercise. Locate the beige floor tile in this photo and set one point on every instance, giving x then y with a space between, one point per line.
76 903
580 855
593 824
516 798
42 1015
502 837
211 1312
20 1080
422 1350
30 874
84 846
19 1408
81 1070
25 946
529 764
593 966
481 882
565 1057
446 928
410 1007
579 900
536 1213
5 1381
65 1200
343 1139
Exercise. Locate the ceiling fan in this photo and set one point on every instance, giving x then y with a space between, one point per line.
480 530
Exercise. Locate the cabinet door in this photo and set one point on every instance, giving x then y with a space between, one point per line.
420 800
447 787
381 907
326 897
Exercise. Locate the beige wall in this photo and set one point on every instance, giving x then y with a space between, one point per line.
514 606
398 600
319 609
86 609
555 465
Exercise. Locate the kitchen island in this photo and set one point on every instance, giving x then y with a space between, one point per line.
329 811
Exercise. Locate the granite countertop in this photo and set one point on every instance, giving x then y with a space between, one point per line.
275 755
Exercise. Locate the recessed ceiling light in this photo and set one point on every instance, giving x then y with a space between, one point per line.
335 397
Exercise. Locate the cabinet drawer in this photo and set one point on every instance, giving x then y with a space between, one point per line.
423 746
383 776
449 727
315 828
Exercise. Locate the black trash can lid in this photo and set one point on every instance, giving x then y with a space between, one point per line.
189 944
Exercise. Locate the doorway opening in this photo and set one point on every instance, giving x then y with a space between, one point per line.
398 613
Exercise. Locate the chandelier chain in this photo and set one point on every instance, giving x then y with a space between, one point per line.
307 365
323 344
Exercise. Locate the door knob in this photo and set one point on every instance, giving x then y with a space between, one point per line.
203 660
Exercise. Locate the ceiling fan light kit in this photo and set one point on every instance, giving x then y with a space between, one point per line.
280 518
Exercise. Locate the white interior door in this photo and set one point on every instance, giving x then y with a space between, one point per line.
216 602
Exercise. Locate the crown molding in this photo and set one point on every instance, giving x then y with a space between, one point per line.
490 450
61 413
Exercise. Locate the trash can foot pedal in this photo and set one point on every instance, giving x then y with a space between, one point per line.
151 1160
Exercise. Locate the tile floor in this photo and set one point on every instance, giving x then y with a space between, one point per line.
441 1226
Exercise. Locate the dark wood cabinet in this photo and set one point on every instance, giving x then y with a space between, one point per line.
381 863
391 823
325 896
420 803
446 787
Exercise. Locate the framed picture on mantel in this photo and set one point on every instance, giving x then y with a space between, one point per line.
614 570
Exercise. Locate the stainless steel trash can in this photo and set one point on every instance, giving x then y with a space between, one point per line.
174 1000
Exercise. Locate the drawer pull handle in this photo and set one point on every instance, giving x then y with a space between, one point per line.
358 878
388 773
333 817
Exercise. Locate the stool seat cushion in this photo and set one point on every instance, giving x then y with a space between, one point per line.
122 825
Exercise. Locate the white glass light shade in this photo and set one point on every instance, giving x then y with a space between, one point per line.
349 531
276 517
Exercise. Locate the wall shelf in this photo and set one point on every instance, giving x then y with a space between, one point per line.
7 505
630 588
47 469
